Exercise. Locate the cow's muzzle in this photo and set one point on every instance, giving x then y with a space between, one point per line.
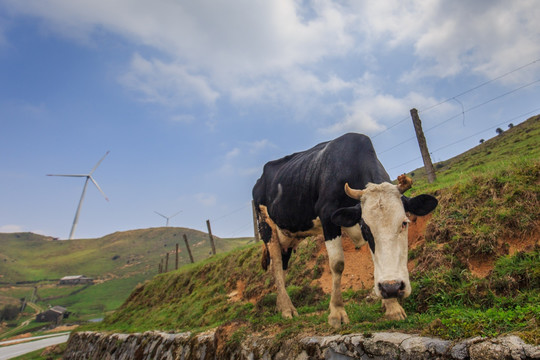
392 289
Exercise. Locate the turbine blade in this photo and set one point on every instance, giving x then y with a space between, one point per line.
161 215
101 191
99 162
68 175
175 214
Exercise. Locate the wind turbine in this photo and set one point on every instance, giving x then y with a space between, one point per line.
168 217
88 177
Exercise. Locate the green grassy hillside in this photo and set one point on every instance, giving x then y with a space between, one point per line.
488 214
30 266
30 257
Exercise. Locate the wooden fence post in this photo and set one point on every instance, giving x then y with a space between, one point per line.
255 223
428 165
211 237
188 249
176 263
167 263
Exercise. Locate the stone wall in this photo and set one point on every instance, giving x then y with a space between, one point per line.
215 345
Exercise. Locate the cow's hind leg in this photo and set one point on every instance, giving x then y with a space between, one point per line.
269 233
284 303
337 264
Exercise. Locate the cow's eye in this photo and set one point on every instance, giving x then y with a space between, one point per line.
404 224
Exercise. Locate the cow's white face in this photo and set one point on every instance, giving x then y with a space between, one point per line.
384 215
380 215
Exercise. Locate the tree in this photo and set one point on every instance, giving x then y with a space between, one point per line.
482 141
510 125
499 131
9 312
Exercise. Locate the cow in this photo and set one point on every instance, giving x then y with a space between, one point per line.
338 186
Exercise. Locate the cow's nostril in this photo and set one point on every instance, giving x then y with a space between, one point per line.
391 289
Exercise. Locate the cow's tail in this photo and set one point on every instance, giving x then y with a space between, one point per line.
265 258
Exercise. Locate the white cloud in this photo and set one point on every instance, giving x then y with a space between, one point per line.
206 199
487 37
281 51
167 84
11 229
259 145
183 118
371 114
232 154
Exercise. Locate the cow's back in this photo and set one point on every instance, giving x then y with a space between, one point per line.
299 187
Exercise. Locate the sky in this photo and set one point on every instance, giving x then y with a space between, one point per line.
192 98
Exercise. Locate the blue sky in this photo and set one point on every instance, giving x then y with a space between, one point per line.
193 97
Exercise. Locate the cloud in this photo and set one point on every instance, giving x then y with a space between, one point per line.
206 46
449 38
183 118
372 114
206 199
232 154
11 229
259 145
294 53
167 84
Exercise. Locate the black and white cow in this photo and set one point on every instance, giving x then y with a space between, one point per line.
307 193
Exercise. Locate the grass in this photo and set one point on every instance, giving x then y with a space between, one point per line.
30 257
118 261
487 195
53 354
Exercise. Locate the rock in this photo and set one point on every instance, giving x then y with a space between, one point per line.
385 345
207 346
507 347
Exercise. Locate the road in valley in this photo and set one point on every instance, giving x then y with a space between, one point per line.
11 351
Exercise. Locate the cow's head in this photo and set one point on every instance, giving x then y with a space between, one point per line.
381 217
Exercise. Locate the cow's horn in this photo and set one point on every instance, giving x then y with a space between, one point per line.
404 183
353 193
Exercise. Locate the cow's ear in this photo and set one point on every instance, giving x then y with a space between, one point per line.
419 205
348 216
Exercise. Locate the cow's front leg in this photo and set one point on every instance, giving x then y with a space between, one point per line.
284 303
393 310
337 264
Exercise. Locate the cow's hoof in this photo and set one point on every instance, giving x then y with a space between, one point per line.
338 317
394 311
289 313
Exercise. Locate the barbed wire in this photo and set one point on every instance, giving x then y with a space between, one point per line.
463 113
458 95
231 212
468 137
404 119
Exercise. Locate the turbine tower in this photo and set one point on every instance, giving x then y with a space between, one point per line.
168 217
88 178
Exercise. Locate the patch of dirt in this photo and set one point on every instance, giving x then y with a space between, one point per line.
224 335
524 243
50 351
417 230
358 272
20 336
62 328
481 267
238 293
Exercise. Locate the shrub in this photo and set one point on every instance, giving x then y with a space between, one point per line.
9 312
